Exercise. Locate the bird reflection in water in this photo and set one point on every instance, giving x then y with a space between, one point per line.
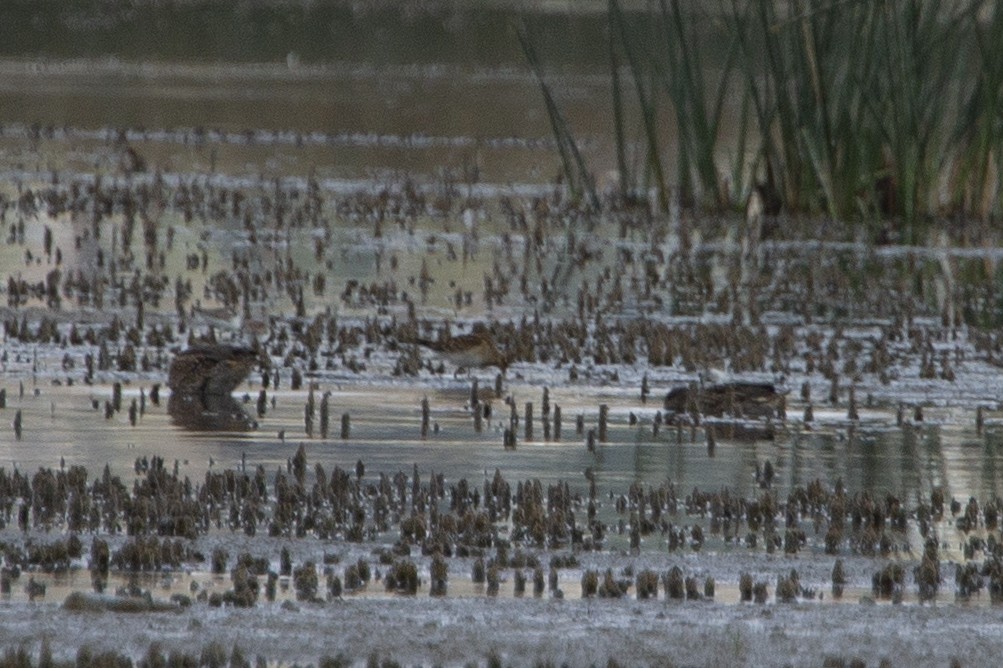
210 413
202 379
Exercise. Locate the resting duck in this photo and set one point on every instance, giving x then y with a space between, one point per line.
210 369
735 399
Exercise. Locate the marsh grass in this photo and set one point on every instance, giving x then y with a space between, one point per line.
883 111
668 70
975 180
579 178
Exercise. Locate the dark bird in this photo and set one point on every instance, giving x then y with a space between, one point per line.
737 399
210 369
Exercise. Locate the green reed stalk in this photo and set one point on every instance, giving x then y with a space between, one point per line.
915 96
861 108
624 180
740 171
685 83
757 93
976 181
647 102
580 180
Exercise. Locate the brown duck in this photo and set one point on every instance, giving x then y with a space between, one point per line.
736 399
210 369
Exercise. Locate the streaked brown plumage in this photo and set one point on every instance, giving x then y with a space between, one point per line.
210 369
474 350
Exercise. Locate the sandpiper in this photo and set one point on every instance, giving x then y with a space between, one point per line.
474 350
227 319
210 369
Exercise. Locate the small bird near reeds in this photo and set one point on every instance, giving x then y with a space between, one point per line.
469 351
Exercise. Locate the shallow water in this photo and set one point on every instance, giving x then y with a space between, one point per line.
61 424
460 123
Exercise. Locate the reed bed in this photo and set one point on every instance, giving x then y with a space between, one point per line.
879 112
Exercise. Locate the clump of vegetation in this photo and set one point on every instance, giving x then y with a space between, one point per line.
518 582
674 584
886 113
692 588
927 574
493 578
245 587
439 576
788 587
887 583
968 580
478 571
838 579
646 585
219 559
833 538
305 581
402 578
334 585
568 560
610 587
538 582
590 583
357 575
745 587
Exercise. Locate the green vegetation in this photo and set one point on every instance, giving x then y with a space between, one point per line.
876 110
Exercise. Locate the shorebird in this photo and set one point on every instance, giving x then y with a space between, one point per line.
229 320
220 317
474 350
210 369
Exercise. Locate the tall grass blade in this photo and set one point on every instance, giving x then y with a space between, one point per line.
646 101
579 179
625 182
852 108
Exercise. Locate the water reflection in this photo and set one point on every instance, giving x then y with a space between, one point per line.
990 467
877 456
208 412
